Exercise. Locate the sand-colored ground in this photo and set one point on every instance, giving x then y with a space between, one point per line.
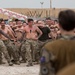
19 70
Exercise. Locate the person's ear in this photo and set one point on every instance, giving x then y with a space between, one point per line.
59 26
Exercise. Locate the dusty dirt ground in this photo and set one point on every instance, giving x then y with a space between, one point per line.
19 70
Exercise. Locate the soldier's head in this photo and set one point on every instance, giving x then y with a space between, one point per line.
2 23
67 20
48 21
19 22
30 22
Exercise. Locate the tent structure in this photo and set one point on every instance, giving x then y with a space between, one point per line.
12 14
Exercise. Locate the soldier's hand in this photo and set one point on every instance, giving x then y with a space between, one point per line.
35 38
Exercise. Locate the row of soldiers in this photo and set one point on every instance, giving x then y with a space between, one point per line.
21 42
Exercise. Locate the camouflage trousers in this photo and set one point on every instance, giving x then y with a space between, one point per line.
12 49
42 43
29 48
3 50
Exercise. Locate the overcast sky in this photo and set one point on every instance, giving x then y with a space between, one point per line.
36 3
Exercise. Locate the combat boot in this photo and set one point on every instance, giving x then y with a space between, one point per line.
1 62
17 62
10 64
29 64
22 61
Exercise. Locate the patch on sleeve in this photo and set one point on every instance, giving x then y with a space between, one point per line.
45 56
43 59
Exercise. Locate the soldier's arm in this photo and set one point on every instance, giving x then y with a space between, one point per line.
52 35
1 32
20 30
11 35
15 26
39 31
23 35
11 30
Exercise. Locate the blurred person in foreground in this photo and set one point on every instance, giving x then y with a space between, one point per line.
57 54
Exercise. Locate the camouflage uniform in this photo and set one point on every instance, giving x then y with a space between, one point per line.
3 50
69 70
40 45
22 51
12 50
57 54
29 47
20 38
0 56
18 48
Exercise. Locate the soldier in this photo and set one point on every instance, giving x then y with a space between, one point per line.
10 46
31 41
3 50
19 37
57 54
48 21
44 38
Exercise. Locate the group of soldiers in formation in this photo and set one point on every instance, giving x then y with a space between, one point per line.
48 42
21 42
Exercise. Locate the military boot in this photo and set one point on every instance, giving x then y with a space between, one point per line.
10 63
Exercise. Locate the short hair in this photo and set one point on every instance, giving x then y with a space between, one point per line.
67 19
48 18
2 20
30 20
16 19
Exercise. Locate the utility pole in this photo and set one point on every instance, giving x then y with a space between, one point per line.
50 7
41 4
50 4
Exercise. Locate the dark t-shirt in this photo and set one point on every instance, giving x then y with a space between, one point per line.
45 31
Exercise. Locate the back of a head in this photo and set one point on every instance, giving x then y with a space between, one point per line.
48 18
67 20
